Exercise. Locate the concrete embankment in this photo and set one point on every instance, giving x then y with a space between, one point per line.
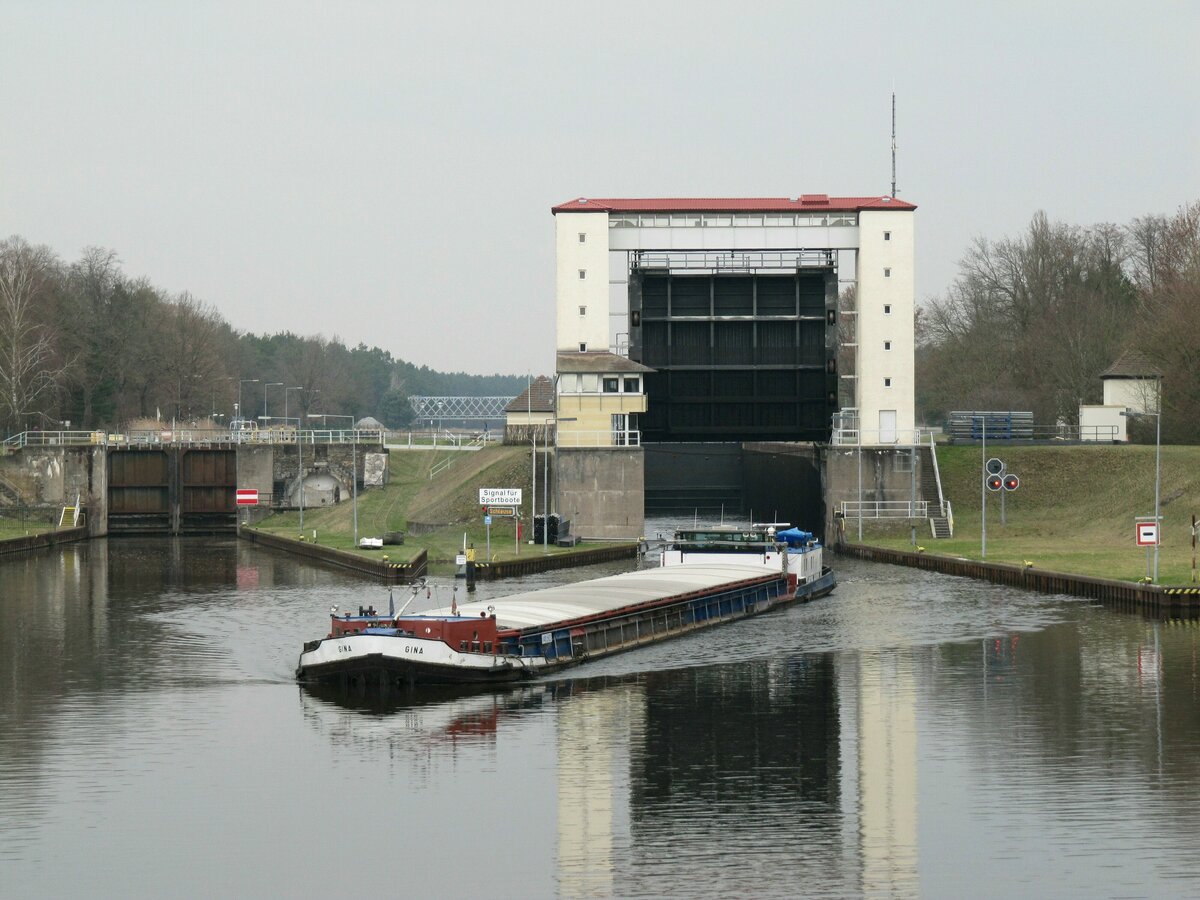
43 540
385 570
1169 602
513 567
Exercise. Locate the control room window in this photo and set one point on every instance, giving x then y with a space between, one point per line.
887 345
887 236
632 385
887 382
583 238
887 273
887 309
582 274
583 310
610 385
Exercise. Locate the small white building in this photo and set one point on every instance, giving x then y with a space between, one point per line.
1131 387
1132 382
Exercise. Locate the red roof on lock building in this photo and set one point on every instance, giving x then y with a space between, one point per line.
799 203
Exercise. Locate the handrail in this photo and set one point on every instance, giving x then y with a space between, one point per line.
610 438
860 437
885 509
441 466
177 435
936 472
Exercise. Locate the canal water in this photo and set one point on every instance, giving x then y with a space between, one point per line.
912 735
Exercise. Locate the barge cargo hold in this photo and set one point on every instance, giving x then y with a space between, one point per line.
537 632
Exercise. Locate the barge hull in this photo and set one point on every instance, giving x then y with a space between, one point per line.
374 659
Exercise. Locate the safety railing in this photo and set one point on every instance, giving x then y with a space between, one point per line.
1038 433
937 473
145 437
885 509
876 437
599 438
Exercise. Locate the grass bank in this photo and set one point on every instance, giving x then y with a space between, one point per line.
14 527
443 508
1074 511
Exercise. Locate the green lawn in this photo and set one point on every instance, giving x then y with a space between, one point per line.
1074 511
14 527
449 501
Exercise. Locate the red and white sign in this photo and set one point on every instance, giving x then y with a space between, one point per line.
1147 534
247 497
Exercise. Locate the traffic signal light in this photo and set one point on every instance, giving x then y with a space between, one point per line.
1011 482
994 466
994 482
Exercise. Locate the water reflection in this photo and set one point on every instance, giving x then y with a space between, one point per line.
912 735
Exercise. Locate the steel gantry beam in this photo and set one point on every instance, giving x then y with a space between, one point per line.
459 407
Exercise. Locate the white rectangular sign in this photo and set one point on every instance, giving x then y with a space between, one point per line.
499 496
1147 534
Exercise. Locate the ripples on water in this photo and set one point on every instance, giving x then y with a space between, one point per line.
912 734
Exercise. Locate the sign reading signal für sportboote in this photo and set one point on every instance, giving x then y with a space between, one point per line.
499 496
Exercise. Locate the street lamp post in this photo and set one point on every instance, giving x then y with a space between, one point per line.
1157 478
269 384
983 489
285 403
353 462
1157 469
242 381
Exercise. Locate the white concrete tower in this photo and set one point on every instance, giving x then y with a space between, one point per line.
885 388
581 288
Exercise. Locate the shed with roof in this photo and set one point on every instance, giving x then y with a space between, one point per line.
531 414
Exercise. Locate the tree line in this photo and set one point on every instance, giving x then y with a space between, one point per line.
84 343
1032 321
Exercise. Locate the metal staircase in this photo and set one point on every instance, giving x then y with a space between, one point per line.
70 515
941 520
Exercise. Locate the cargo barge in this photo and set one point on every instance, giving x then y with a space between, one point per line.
529 634
711 578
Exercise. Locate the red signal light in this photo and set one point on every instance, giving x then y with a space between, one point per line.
994 482
1011 482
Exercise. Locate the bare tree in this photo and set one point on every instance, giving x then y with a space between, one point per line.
30 372
187 333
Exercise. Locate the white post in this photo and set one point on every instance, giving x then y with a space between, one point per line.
859 486
533 442
1157 480
354 481
300 463
983 473
545 492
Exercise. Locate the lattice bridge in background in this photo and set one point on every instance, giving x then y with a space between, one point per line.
459 407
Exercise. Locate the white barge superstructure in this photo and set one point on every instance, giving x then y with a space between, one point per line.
776 547
527 634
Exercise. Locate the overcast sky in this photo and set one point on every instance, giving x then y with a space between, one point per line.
384 171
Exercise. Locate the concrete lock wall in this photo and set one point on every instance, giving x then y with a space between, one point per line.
888 474
334 460
52 477
256 468
602 491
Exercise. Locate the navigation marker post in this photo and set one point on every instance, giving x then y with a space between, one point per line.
1146 533
245 497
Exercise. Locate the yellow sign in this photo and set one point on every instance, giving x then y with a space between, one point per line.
501 511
